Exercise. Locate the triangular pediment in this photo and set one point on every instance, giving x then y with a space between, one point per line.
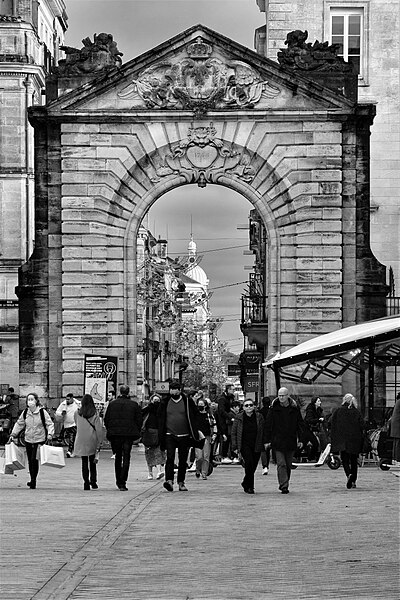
199 71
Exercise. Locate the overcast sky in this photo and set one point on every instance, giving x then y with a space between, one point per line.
215 212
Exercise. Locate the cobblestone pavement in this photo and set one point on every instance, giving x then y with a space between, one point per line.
213 542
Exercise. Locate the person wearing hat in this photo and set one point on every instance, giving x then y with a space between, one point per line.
177 431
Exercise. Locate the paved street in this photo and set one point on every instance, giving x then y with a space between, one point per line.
211 543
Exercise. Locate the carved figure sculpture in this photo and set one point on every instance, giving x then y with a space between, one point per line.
100 55
319 56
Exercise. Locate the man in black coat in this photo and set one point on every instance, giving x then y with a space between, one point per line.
177 430
123 421
283 429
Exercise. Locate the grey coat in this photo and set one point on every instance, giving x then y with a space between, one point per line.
89 435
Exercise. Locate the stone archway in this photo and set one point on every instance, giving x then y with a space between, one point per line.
297 151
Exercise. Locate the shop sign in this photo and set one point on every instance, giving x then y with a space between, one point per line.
251 383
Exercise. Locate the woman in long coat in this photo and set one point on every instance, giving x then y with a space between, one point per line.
248 438
89 437
347 434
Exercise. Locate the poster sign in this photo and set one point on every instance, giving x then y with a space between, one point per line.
100 373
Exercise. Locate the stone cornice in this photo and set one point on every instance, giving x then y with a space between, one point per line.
39 114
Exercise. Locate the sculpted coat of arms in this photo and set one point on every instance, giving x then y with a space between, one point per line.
203 158
200 83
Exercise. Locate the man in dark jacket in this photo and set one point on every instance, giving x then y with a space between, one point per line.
123 421
177 430
283 429
224 408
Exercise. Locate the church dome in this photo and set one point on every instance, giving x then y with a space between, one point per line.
198 274
195 272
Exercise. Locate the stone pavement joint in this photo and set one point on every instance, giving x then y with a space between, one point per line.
72 573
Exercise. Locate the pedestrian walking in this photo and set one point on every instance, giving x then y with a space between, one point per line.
224 407
178 431
89 437
395 432
155 457
39 428
247 439
205 424
123 421
66 414
347 433
265 453
284 428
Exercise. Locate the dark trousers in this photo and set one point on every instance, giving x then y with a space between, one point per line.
33 463
250 458
284 459
173 443
121 447
350 465
69 436
89 469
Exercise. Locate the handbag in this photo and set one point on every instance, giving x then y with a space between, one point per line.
150 438
52 456
14 457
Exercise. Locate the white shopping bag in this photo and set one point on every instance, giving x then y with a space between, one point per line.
5 470
15 456
52 456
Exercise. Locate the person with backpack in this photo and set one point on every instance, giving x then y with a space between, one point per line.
88 440
39 428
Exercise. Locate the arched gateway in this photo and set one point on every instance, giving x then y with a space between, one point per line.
197 109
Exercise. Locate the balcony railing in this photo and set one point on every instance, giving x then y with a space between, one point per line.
393 305
254 309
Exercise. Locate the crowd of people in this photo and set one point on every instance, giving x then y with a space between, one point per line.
178 428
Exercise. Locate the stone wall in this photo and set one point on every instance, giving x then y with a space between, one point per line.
379 85
97 183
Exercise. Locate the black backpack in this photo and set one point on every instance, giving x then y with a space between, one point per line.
41 411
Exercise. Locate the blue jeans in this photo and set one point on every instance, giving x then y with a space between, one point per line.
121 447
284 459
203 456
182 444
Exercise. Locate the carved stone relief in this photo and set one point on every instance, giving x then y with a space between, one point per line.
200 82
319 56
203 158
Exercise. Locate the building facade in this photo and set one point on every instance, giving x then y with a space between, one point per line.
368 35
31 34
294 143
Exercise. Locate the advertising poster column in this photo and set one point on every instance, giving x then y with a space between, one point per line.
100 373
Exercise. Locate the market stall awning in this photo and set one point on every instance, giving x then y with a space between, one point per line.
337 342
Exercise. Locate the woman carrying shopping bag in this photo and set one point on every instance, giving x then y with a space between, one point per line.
89 436
38 429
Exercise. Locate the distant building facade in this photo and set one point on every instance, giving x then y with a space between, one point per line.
31 34
367 32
